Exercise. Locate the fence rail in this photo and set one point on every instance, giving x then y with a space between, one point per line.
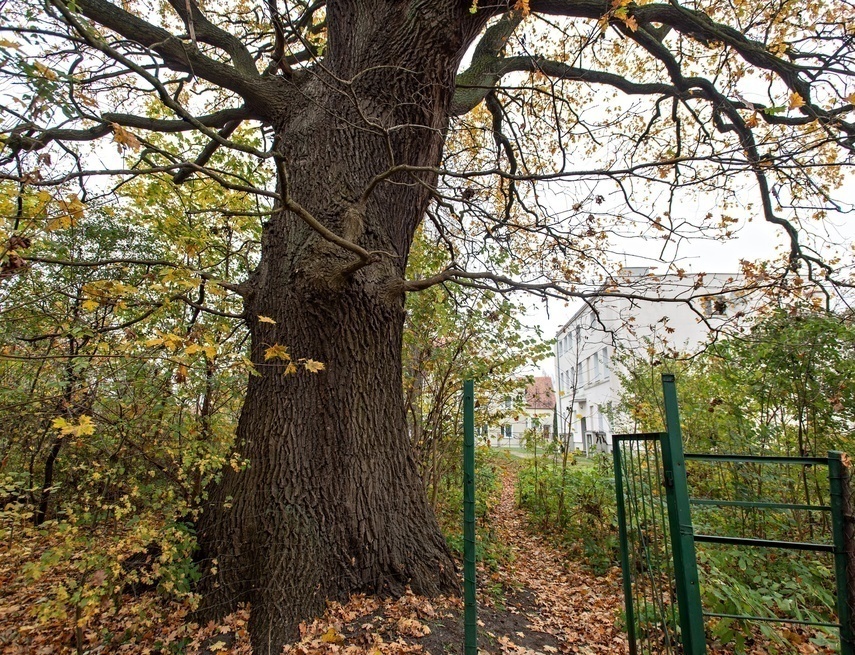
664 613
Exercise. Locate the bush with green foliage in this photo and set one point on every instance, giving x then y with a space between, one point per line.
489 471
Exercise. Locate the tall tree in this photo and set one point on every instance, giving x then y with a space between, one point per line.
370 116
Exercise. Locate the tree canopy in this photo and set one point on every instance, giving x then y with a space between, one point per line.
623 106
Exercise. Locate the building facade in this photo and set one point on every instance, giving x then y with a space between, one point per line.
641 312
537 413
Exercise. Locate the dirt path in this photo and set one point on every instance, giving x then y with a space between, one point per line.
556 595
539 601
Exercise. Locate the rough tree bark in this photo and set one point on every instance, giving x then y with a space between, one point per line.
332 502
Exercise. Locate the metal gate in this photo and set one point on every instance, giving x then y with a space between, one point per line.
664 612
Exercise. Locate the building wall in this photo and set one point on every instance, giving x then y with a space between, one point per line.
510 434
586 383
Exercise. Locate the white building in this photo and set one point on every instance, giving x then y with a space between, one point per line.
622 319
536 413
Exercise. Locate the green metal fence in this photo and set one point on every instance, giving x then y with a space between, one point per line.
470 607
664 613
661 591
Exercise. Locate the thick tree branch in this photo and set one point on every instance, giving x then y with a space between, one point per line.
473 84
261 93
30 138
504 284
501 66
206 154
207 32
97 43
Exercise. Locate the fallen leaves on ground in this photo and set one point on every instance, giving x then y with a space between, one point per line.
539 601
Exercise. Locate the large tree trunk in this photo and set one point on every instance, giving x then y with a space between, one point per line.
331 502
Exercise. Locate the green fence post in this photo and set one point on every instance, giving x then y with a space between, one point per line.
624 548
680 523
836 473
470 609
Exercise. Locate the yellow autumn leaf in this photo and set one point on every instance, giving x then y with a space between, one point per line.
332 637
73 207
83 427
250 366
71 211
172 341
124 139
523 6
61 223
45 71
313 366
6 43
90 305
265 319
277 352
851 98
290 369
42 199
796 101
192 349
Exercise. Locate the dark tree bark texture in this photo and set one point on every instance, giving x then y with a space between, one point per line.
332 502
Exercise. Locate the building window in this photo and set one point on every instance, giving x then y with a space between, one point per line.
714 306
605 358
580 374
596 358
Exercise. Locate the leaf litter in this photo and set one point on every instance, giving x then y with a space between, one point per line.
539 601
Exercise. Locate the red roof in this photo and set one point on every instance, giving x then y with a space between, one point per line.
540 394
